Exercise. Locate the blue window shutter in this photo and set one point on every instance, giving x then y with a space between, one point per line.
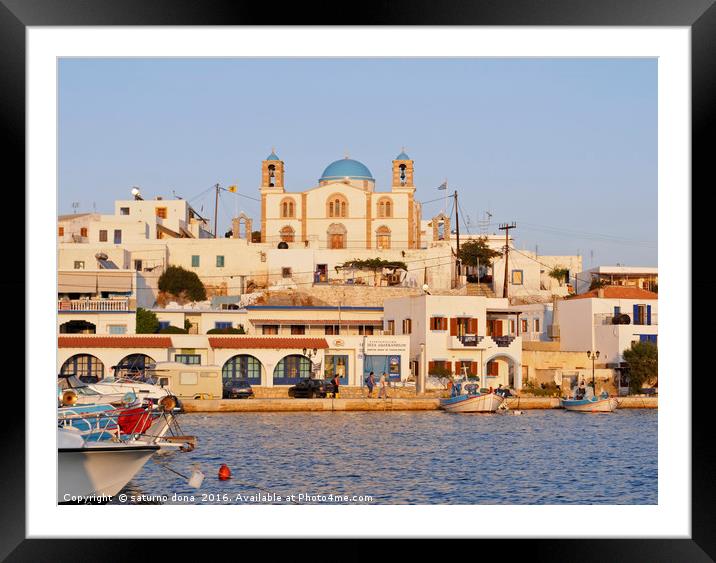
636 315
648 314
617 311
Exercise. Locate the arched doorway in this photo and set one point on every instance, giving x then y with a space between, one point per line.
133 365
382 238
86 367
242 367
291 369
288 234
502 369
336 235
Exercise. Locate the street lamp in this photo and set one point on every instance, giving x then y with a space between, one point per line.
593 356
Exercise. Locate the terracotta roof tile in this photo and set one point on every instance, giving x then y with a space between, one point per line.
285 322
114 342
618 292
243 342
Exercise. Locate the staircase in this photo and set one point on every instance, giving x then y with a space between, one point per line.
480 289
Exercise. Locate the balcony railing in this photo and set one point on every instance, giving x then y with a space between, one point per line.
93 305
611 319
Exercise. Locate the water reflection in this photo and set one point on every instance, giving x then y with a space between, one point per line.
542 457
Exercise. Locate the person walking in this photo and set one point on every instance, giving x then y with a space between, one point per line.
383 386
370 383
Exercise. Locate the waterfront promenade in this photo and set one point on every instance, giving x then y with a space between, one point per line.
391 404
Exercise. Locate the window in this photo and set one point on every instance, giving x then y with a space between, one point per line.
336 365
61 231
286 272
189 359
647 338
83 232
269 329
194 261
219 261
438 323
164 324
79 265
390 327
642 314
332 330
124 210
517 276
292 369
337 206
288 234
138 265
223 324
512 326
103 235
382 238
385 208
298 329
288 209
365 330
407 326
242 366
188 378
161 212
536 325
525 325
117 236
117 329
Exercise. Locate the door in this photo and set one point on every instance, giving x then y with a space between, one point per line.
337 240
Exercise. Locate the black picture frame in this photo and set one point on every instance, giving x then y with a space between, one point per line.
17 15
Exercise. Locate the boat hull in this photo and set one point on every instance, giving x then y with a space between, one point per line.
585 405
98 471
472 403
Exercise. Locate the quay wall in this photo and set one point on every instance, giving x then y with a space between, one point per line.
391 404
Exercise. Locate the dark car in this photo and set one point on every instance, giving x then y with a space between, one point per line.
237 389
311 388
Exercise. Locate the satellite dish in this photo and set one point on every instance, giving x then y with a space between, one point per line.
426 288
100 256
135 191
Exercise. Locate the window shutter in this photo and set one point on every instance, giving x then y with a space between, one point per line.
648 314
453 327
635 320
472 326
458 368
431 366
448 365
498 328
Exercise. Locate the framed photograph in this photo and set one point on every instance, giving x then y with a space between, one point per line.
239 234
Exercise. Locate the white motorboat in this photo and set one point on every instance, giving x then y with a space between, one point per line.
465 398
94 471
72 391
144 390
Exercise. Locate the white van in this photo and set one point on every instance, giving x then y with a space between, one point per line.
188 381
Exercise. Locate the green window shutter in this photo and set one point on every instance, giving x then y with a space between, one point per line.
194 261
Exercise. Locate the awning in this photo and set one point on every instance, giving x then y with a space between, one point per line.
321 322
120 282
76 282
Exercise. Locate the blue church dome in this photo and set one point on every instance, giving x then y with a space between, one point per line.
346 168
273 156
402 156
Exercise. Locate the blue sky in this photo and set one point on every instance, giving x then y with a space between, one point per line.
567 148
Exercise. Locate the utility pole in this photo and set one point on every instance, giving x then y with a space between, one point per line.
216 211
505 227
457 235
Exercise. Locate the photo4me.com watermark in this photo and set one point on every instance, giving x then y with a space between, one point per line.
221 498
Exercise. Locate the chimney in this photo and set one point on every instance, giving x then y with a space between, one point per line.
600 293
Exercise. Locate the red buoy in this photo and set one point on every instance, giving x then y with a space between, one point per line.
224 472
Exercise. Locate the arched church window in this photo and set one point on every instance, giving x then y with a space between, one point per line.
288 208
385 207
337 206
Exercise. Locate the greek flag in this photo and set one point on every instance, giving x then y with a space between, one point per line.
443 186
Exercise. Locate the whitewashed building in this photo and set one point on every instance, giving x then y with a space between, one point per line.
644 277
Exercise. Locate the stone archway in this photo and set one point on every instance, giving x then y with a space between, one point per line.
502 368
336 236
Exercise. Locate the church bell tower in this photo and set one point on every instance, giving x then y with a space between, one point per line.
272 170
403 167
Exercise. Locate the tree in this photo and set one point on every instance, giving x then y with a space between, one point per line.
171 329
374 265
239 330
560 274
643 363
476 253
147 322
182 283
598 284
255 236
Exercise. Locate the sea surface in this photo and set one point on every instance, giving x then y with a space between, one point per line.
433 457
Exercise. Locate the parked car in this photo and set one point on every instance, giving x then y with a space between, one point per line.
237 389
310 388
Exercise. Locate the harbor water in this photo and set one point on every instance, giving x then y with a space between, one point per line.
540 457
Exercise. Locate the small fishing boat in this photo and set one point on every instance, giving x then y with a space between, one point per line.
590 403
95 470
466 398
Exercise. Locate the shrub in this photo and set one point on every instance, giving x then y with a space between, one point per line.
643 364
173 330
178 281
231 330
147 322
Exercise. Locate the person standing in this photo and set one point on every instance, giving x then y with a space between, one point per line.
370 383
383 386
336 384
